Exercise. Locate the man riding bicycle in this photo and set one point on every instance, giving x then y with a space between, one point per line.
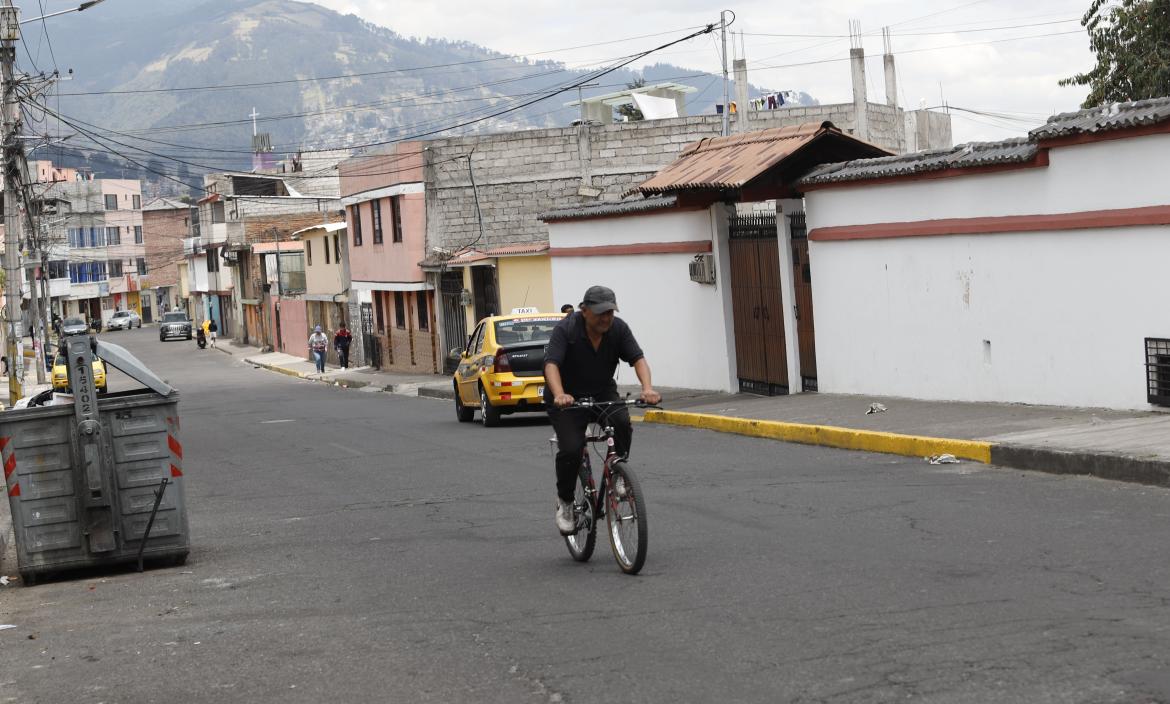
580 361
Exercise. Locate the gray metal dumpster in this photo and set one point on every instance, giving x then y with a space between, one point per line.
83 479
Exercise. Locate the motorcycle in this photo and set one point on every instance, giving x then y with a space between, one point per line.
200 338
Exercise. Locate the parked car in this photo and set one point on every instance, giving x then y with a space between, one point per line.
501 371
124 320
61 374
174 323
74 325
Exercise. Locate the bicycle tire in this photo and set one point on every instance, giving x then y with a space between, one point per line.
581 543
625 516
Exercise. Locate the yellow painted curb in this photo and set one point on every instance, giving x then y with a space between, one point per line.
281 370
829 436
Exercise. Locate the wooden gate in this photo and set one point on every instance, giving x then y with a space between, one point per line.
757 304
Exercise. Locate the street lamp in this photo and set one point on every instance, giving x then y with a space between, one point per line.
83 6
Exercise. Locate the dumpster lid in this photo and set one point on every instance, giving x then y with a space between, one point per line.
130 365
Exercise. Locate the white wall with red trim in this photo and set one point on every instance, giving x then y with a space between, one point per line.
1047 316
683 327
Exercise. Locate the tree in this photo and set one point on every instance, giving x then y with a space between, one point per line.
631 110
1131 39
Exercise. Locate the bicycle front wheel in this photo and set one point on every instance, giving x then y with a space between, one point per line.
582 542
626 516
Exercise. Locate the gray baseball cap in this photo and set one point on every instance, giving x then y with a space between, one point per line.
600 299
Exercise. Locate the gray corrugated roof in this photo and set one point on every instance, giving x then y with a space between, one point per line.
166 204
1110 117
594 210
1010 151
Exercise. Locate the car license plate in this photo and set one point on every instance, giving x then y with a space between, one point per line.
540 391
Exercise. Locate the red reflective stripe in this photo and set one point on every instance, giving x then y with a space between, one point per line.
9 466
15 490
175 446
4 442
175 471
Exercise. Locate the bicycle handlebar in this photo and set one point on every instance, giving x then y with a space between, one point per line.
590 403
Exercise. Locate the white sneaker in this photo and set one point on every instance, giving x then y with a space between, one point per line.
566 519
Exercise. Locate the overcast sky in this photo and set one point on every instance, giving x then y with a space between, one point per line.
990 63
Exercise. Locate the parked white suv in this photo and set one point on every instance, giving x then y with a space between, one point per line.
124 320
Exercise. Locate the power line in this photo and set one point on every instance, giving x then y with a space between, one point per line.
260 84
918 34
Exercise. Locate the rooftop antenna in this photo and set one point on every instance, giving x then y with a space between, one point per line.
254 115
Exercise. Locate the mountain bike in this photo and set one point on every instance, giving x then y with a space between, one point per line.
619 498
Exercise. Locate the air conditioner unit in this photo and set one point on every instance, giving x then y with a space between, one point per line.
703 269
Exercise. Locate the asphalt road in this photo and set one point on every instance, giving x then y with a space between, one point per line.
364 547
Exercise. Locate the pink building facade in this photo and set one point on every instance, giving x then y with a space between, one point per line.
392 306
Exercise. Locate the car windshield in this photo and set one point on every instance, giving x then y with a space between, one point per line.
121 314
174 317
517 331
73 321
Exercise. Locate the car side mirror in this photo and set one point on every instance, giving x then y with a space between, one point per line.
458 353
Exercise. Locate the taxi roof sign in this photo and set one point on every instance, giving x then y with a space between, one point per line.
524 311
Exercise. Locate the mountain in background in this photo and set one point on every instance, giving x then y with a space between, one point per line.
392 87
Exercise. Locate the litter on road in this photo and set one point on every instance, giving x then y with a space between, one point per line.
942 459
875 408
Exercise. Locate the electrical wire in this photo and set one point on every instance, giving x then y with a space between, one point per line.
260 84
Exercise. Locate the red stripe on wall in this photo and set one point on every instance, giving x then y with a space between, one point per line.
1122 217
176 448
4 443
9 466
15 490
689 247
175 471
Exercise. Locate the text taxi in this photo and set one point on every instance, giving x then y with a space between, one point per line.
501 371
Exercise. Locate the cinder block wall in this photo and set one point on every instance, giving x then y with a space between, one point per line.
519 175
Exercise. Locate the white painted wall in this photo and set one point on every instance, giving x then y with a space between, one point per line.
197 273
681 325
1046 318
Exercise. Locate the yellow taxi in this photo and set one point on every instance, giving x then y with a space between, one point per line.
501 371
61 375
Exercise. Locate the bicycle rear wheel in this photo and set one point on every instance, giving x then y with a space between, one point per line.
582 542
626 517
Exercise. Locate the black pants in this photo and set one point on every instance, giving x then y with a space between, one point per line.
343 357
570 425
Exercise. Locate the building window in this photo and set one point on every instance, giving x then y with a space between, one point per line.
141 266
396 213
115 268
423 314
357 226
212 260
113 236
378 311
337 248
137 202
59 269
111 202
138 234
325 244
309 252
376 209
399 309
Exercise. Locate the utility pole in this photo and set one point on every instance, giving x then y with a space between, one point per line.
726 130
9 127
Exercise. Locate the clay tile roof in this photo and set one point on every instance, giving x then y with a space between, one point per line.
722 163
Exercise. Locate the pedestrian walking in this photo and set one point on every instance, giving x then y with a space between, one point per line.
341 341
318 346
212 329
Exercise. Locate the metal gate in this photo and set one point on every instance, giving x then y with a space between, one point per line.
454 319
757 304
370 345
